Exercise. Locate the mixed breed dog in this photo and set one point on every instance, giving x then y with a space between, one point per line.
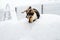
32 14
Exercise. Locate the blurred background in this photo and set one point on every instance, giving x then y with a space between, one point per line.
9 9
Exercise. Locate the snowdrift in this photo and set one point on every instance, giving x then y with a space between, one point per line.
45 28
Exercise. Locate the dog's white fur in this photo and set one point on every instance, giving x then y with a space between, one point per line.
34 17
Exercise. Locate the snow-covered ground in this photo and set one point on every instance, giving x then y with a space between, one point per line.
45 28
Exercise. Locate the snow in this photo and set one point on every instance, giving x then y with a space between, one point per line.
45 28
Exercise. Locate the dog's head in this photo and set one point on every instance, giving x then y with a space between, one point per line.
29 12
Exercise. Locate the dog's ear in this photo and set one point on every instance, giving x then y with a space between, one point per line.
24 11
29 7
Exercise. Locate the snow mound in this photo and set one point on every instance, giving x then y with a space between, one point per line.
45 28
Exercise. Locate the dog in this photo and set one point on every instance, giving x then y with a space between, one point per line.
32 14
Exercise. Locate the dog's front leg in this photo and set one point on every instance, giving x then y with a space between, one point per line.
30 20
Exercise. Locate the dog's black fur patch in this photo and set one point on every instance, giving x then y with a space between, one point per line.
30 14
37 13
